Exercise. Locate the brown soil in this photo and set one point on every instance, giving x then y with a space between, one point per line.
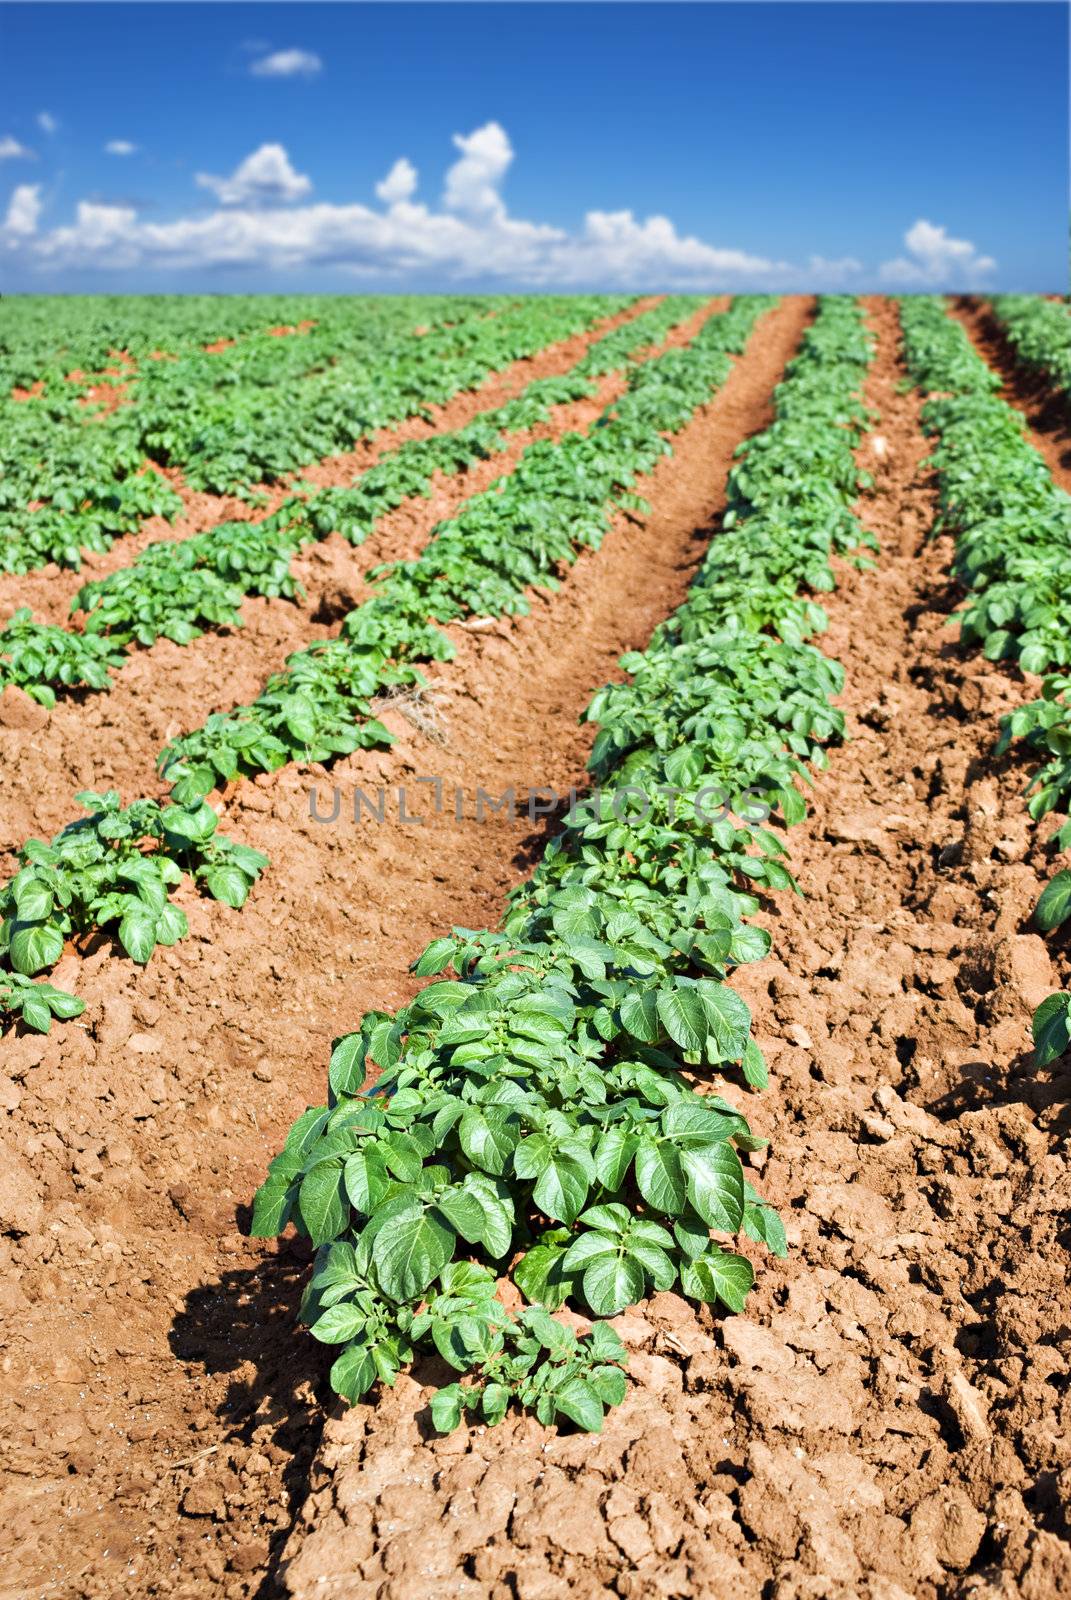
1047 411
112 739
890 1419
158 1410
49 590
104 398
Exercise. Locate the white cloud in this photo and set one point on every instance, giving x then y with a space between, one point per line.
263 177
472 183
47 121
23 210
471 238
934 260
12 150
399 184
635 253
287 64
120 147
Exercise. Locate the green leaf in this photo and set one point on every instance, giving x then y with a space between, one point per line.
495 1403
728 1021
579 1402
36 1014
763 1224
35 947
718 1275
322 1202
137 934
464 1213
613 1154
684 1018
346 1073
659 1177
541 1276
65 1006
1054 906
447 1408
754 1066
271 1208
489 1136
562 1188
403 1155
366 1179
612 1282
227 884
467 1341
605 1344
639 1015
715 1185
354 1372
692 1235
609 1383
698 1122
409 1250
436 958
497 1205
611 1218
33 899
339 1323
1052 1028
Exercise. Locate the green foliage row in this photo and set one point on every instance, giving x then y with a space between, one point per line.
1013 556
174 589
538 1112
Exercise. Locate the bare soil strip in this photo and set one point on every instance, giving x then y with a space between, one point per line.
890 1418
157 1404
1047 412
112 739
50 590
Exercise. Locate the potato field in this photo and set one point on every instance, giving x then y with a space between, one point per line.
535 982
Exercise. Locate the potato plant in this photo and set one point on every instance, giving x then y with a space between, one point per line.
117 865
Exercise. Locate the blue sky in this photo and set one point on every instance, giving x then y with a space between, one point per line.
775 145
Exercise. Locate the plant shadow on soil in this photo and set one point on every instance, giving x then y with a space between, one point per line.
984 1083
246 1324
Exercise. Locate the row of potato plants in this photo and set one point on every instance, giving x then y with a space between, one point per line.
289 403
1012 526
1039 331
176 588
517 534
538 1112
